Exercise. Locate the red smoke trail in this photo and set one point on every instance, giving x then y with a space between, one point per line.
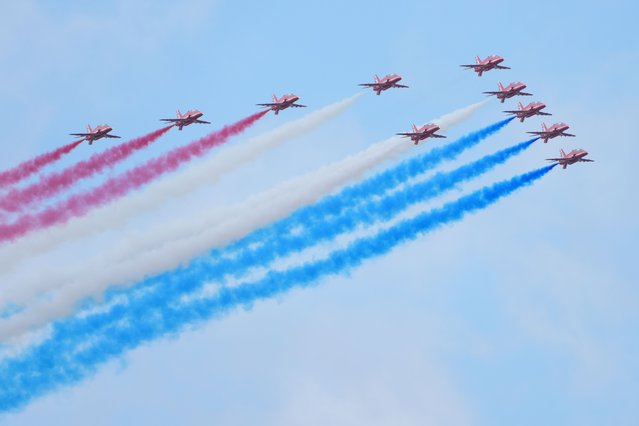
17 199
79 204
29 167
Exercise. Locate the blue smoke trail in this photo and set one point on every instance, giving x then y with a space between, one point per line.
59 361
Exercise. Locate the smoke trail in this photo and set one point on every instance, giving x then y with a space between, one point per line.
204 173
67 357
19 198
27 168
78 205
167 246
322 229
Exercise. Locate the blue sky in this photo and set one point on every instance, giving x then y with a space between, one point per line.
524 313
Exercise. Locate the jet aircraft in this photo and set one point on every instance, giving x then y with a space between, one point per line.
557 129
381 84
99 132
513 89
491 62
424 132
533 108
284 102
182 120
574 156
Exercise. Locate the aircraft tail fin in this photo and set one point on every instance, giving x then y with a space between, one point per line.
414 128
274 98
376 78
521 106
501 86
477 59
89 128
543 126
179 114
563 154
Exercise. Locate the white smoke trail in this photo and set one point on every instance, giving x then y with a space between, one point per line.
168 246
117 214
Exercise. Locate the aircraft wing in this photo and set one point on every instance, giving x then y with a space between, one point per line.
171 120
524 94
298 106
512 112
407 135
555 159
201 122
434 135
585 160
491 93
468 66
112 136
267 105
501 67
538 133
543 113
81 134
368 84
401 86
568 134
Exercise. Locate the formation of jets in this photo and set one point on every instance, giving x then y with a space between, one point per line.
532 109
390 81
188 118
417 134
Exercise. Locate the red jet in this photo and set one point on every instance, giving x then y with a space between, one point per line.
491 62
190 117
533 108
284 102
101 131
385 83
574 156
424 132
557 129
513 89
